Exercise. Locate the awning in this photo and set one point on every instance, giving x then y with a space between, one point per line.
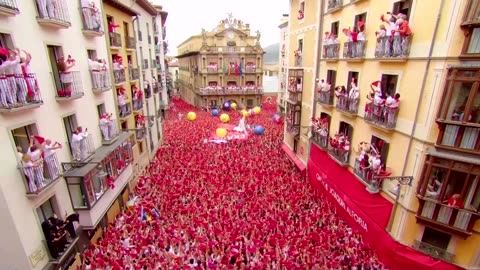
365 212
293 157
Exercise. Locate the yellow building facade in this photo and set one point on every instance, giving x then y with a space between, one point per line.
431 138
225 64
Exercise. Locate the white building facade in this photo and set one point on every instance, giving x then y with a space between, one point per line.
283 64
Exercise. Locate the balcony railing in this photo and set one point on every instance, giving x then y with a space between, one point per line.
83 149
140 133
250 69
56 16
91 21
21 92
381 115
130 41
320 139
347 105
325 98
119 76
154 62
148 92
9 7
124 110
68 85
341 155
354 49
333 4
331 51
434 251
115 40
463 137
298 61
137 104
391 47
134 74
101 80
458 221
365 174
109 131
295 97
41 175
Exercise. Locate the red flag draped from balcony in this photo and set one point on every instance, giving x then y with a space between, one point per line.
236 68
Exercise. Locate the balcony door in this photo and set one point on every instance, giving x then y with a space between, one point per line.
71 124
21 136
54 54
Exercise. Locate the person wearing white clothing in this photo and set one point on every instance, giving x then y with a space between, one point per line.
88 13
353 97
50 159
76 140
6 97
241 126
96 68
106 126
83 142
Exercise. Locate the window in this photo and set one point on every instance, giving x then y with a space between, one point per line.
125 30
436 238
403 7
346 129
332 77
473 39
352 76
302 10
472 13
75 189
334 28
300 45
101 109
295 80
326 116
92 54
54 54
71 125
6 41
21 136
360 18
389 85
46 210
381 147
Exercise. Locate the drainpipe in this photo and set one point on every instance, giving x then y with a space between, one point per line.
420 99
317 67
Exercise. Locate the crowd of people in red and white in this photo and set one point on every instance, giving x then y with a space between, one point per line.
231 87
239 205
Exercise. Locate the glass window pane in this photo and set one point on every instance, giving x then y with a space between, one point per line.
98 187
90 193
475 111
435 183
457 105
474 46
78 198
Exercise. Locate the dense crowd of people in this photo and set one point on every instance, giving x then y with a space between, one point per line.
239 205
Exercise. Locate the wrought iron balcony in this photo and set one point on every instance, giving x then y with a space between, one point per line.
319 139
325 98
56 17
347 105
68 85
134 74
27 93
434 251
115 40
83 148
341 156
124 110
334 4
164 33
91 22
454 220
367 175
157 49
101 81
137 104
109 131
130 41
354 50
393 47
154 62
40 175
381 116
331 51
140 134
119 76
9 8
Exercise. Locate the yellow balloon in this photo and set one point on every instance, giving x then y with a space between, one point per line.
221 132
245 113
257 110
225 118
191 116
233 105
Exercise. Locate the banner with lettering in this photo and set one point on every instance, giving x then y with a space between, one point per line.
366 213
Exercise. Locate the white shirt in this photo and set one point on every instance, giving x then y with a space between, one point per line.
76 138
104 121
376 163
35 155
85 3
326 87
9 67
117 66
377 100
121 100
354 94
48 150
389 101
94 65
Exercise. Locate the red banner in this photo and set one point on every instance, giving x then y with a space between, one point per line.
365 212
231 134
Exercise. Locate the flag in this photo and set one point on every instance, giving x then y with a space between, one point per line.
236 68
229 67
240 71
224 69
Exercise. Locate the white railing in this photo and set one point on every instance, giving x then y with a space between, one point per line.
19 90
101 80
82 149
109 130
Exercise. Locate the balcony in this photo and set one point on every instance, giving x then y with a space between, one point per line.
83 149
331 52
320 139
68 86
397 49
367 176
440 216
154 63
340 155
458 136
148 92
347 106
115 40
149 39
434 251
157 49
137 105
294 97
101 81
145 63
212 70
134 74
53 17
156 88
140 134
27 93
293 129
40 176
298 60
250 69
334 5
381 116
9 8
354 51
124 110
119 76
91 22
109 131
325 98
130 42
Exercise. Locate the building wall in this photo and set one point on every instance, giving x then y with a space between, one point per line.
20 223
283 64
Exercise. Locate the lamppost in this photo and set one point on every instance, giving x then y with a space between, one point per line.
401 181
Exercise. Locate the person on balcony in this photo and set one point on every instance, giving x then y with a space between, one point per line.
111 31
122 102
95 67
50 159
66 76
10 64
341 94
360 38
83 142
20 83
47 9
7 98
118 68
353 96
33 173
405 32
33 90
55 237
456 201
88 14
391 108
382 41
390 32
106 126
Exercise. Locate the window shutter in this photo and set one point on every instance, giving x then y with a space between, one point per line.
384 152
349 80
384 84
329 75
333 78
350 132
396 7
393 84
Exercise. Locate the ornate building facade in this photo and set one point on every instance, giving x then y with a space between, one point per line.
224 64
